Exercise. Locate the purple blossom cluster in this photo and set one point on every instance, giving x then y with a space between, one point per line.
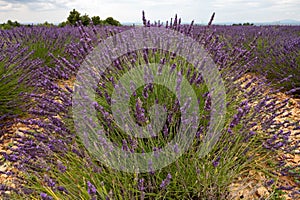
91 189
166 181
276 50
48 104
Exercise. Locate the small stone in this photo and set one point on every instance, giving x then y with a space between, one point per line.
262 192
4 176
3 168
7 192
2 151
14 147
20 134
8 152
252 172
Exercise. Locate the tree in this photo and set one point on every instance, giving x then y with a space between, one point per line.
63 24
10 24
13 24
248 24
85 20
96 20
112 21
244 24
17 24
74 17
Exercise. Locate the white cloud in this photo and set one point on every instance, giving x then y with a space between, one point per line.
130 10
8 6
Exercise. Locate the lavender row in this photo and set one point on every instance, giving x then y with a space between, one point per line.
51 127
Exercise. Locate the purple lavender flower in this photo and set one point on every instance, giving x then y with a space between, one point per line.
141 184
140 112
150 167
176 148
208 102
91 188
286 187
166 181
269 182
125 145
62 189
216 162
165 130
156 151
49 181
61 167
44 196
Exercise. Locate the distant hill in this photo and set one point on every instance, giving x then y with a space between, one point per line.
285 22
281 22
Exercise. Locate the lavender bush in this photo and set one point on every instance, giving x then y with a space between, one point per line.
277 50
54 161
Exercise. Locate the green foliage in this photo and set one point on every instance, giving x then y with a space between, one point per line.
63 24
46 24
14 24
9 24
244 24
108 21
85 20
112 21
10 90
192 177
96 20
278 195
73 17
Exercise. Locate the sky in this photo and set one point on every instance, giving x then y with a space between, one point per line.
55 11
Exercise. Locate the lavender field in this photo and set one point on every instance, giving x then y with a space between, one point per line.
257 155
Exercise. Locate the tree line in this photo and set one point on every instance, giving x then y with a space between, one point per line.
9 24
73 19
244 24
